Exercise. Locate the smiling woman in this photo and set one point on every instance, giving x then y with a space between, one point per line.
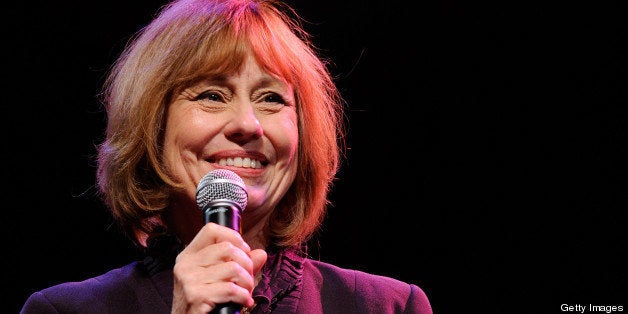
235 85
247 115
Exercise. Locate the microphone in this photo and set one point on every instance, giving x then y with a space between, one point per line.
221 196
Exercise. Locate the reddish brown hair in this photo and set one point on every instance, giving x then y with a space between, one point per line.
190 40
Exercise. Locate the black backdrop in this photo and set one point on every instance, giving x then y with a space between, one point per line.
487 158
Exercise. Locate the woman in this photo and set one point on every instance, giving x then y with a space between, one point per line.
236 85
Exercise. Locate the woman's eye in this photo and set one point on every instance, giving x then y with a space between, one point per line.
274 98
209 95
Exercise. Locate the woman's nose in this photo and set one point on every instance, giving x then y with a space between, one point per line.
244 126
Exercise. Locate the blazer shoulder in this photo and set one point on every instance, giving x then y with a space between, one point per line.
116 285
372 291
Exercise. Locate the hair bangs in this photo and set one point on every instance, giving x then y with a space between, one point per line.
274 45
220 53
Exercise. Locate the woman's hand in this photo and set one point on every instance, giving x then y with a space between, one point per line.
216 267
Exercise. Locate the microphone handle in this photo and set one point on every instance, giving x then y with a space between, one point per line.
224 214
227 308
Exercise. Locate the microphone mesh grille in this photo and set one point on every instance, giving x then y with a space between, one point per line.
221 184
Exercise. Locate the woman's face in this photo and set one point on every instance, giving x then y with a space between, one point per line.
245 122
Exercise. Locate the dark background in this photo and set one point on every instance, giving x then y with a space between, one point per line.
487 161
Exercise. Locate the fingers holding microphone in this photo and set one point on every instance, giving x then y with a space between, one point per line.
217 267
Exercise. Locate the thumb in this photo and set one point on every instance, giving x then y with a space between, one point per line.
258 256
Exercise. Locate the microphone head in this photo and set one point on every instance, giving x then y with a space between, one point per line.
221 185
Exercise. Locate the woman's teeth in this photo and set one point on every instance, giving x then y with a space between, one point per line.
245 162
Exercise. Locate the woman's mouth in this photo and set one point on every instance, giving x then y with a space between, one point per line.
245 162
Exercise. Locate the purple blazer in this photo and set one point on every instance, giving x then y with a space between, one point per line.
291 283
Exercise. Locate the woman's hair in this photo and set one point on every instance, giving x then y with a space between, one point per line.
193 39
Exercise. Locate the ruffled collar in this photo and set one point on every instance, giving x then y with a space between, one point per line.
282 280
